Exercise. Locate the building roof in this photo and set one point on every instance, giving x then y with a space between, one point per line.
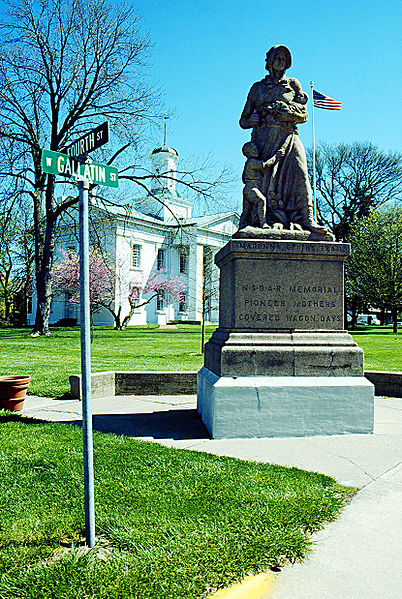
203 221
129 212
165 148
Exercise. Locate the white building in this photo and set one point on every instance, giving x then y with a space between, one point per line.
163 235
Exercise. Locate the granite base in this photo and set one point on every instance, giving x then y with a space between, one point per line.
284 406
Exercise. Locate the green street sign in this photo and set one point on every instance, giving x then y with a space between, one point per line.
56 163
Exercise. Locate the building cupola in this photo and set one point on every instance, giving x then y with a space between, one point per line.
164 202
164 169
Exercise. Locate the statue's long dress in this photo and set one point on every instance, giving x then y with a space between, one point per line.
285 185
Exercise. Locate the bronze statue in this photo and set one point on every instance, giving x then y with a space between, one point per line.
274 107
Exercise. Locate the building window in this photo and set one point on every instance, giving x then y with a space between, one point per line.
183 304
160 262
136 256
160 301
183 262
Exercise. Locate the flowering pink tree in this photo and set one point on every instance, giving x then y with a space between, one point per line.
159 283
66 278
102 284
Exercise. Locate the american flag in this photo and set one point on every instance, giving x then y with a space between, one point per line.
322 101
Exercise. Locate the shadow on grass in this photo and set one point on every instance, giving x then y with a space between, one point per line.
174 424
6 416
180 425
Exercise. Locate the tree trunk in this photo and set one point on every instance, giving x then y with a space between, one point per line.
118 325
126 319
44 233
25 299
5 285
7 297
7 308
134 307
44 296
354 310
117 319
394 313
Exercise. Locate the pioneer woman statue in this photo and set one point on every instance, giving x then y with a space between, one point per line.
274 107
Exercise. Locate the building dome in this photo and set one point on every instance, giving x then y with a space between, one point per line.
166 149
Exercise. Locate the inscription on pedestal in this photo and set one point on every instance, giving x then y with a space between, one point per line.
291 306
275 247
282 286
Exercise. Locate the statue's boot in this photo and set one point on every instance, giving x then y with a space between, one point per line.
308 223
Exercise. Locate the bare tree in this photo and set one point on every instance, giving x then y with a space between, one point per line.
352 180
16 261
16 238
6 262
202 181
65 66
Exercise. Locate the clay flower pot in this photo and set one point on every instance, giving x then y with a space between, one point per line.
13 391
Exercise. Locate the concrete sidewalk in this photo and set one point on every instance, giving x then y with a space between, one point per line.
358 555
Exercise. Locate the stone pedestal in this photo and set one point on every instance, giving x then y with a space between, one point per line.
281 363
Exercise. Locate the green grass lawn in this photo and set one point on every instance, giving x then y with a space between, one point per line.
170 523
382 348
50 360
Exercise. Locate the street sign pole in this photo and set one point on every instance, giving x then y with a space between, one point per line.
73 164
86 366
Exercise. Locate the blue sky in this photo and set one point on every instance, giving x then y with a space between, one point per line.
207 55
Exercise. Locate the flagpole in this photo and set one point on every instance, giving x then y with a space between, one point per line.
165 129
314 173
